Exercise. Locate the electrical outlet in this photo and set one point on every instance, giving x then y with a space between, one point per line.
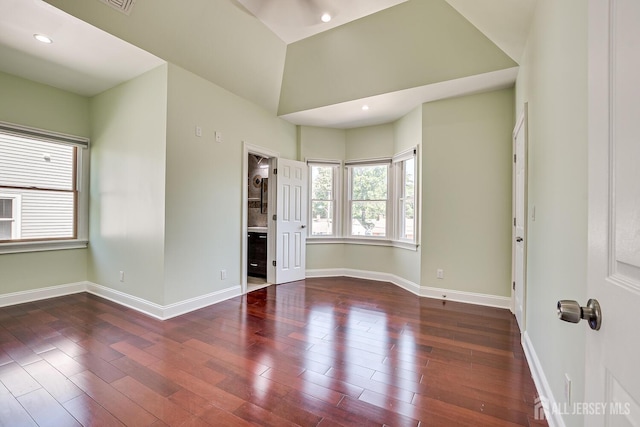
567 388
218 136
223 274
440 273
198 131
122 276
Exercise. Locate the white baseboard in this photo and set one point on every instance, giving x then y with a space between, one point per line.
369 275
542 385
42 293
163 312
468 297
139 304
443 294
186 306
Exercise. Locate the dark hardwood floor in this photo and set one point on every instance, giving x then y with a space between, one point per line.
322 352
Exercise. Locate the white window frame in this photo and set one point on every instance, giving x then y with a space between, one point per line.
399 196
337 198
82 189
395 189
16 213
349 165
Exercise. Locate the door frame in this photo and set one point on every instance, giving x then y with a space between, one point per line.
265 152
522 124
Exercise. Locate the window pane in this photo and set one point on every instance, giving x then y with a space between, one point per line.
6 208
409 178
369 182
322 218
407 204
408 216
47 214
321 182
368 218
5 230
31 163
41 175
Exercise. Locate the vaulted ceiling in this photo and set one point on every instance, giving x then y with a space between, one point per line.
393 59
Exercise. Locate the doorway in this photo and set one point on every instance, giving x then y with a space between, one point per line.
258 208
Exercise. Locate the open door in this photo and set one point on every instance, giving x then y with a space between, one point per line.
519 244
291 219
612 363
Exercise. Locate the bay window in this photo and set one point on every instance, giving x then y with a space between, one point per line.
379 205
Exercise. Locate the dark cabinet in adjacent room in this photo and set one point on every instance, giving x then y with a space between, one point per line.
257 254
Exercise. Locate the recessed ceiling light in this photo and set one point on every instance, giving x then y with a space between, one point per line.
42 38
365 107
325 17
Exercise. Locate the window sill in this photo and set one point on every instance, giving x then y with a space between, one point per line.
58 245
363 241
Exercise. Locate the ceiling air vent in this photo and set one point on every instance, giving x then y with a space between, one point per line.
123 6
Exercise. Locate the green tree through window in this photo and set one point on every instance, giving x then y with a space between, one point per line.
322 200
369 189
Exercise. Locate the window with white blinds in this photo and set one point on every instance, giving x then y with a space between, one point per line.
38 184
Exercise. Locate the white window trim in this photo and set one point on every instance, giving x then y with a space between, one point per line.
82 187
337 198
398 159
342 226
349 165
16 215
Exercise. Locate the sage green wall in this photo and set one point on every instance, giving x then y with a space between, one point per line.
370 142
408 134
321 143
127 207
204 181
33 104
376 55
217 40
408 131
553 80
466 188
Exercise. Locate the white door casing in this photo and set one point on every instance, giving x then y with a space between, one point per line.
291 220
519 244
612 375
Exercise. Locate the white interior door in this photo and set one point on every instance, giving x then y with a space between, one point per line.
520 219
291 220
613 352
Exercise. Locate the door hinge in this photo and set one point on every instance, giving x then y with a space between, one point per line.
514 158
273 263
514 286
514 222
275 217
275 171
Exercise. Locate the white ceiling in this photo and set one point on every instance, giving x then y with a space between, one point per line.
389 107
294 20
86 60
82 58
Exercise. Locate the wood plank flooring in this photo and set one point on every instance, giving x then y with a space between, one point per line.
321 352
